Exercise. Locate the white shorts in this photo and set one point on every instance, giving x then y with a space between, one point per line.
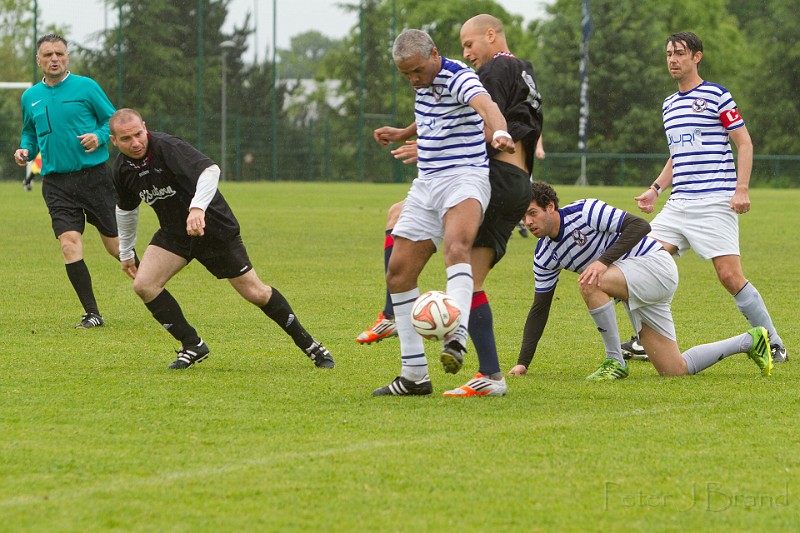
709 227
652 281
429 199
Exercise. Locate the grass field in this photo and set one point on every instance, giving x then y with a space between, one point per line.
97 435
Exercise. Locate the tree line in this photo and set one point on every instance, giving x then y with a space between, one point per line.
751 47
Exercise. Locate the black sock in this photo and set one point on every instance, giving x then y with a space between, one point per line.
279 310
167 311
78 274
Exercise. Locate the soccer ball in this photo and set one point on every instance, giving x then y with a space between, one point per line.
435 315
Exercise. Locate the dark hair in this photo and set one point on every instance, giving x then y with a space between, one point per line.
543 194
689 39
124 116
50 38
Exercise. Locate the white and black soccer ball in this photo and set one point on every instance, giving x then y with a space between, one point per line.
435 315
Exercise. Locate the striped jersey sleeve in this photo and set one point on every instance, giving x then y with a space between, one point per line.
588 228
449 131
697 124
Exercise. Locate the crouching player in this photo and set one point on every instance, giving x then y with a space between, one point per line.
616 259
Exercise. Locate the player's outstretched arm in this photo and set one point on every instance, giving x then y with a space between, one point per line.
532 332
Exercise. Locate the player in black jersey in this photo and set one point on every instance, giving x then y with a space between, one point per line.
180 184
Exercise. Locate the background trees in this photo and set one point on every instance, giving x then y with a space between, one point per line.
751 47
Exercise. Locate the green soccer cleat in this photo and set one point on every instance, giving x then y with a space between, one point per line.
760 351
609 369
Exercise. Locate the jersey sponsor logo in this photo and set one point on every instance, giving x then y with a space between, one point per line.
155 194
579 238
729 117
428 123
682 139
36 102
699 105
534 99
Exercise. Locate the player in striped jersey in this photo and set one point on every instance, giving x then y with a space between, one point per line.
447 199
616 259
708 193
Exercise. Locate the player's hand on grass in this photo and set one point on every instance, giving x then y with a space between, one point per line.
406 153
519 370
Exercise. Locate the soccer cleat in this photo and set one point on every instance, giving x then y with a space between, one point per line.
480 385
405 387
187 356
609 370
90 320
779 354
452 356
523 231
633 350
320 355
381 329
760 351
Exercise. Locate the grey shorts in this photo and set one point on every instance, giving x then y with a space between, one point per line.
652 281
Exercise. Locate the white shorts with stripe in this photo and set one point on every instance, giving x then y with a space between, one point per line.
429 199
652 281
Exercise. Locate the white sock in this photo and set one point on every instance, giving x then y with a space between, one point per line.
605 318
412 350
698 358
459 287
752 306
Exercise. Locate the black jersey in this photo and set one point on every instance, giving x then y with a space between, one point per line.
166 180
511 83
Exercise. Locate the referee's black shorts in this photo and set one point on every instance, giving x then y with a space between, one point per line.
74 198
511 196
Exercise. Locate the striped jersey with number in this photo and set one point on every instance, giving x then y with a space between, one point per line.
588 228
449 132
697 123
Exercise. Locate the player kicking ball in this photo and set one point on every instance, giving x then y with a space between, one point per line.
616 259
180 184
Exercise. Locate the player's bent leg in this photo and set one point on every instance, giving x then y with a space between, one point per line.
251 288
156 268
663 352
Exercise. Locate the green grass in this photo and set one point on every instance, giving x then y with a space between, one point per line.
97 435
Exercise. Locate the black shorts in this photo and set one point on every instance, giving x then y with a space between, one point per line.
511 196
75 198
225 259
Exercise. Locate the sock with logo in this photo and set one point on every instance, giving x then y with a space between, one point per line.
412 351
605 318
279 310
703 356
752 306
167 311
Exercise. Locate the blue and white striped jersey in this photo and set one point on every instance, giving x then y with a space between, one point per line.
588 228
697 124
449 132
